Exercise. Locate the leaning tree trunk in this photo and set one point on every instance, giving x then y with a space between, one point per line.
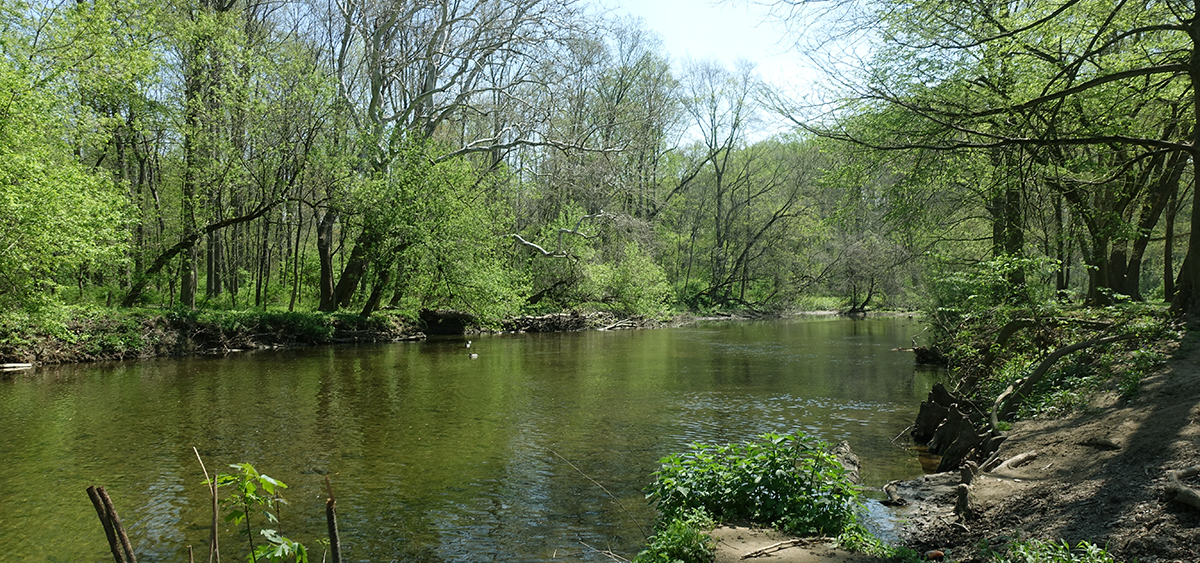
356 267
1187 292
325 256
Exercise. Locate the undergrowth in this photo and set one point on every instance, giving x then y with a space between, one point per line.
969 310
1038 551
785 481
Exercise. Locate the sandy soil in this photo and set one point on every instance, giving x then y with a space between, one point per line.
1099 476
734 543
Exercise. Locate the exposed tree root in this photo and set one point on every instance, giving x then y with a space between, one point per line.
1017 460
1183 493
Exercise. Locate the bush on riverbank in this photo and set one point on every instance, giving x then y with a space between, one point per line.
785 481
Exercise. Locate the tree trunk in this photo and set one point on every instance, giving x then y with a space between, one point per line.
381 284
1187 294
1062 278
356 267
1152 210
1099 292
325 256
1169 250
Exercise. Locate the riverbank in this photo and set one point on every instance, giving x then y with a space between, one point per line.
90 335
1100 475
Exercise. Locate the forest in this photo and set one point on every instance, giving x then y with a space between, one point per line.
505 157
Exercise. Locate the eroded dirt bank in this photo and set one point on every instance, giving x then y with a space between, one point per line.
1100 476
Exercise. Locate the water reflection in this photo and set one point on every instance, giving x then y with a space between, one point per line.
435 456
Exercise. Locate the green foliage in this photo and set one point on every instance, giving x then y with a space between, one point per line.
856 538
1038 551
634 285
257 492
56 216
997 289
787 481
431 223
681 540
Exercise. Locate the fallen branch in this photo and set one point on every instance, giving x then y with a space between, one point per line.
1010 400
780 546
1183 493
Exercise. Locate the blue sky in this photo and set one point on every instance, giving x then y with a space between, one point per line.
725 31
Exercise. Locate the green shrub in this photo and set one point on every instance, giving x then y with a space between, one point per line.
1037 551
789 482
682 540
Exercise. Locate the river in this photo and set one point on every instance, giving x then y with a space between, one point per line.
433 455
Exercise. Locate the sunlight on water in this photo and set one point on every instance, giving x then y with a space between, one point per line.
435 456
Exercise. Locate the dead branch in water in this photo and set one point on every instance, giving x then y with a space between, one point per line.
335 544
214 553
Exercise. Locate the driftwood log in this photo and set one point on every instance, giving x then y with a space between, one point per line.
555 322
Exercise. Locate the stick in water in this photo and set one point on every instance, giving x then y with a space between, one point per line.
214 553
335 546
108 529
612 496
116 524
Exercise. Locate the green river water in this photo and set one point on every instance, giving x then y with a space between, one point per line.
435 456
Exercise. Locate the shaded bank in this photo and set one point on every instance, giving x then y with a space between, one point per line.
89 335
99 335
